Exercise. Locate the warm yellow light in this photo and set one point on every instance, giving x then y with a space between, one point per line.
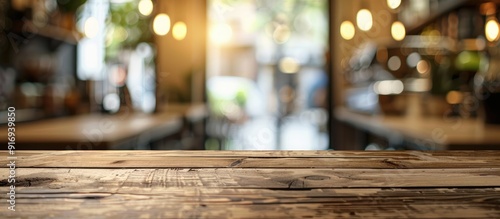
423 67
393 4
179 30
347 30
91 27
145 7
364 20
454 97
492 30
120 34
398 31
161 24
281 34
289 65
221 33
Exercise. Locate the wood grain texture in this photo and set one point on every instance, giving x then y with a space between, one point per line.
258 203
256 159
240 184
83 179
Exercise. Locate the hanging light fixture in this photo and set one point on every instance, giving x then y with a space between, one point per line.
398 31
492 30
364 20
145 7
347 30
161 24
393 4
179 30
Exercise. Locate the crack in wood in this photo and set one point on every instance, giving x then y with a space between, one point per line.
237 162
296 184
118 162
317 177
394 164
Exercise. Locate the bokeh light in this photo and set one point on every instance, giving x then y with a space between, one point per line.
398 31
394 63
423 67
91 27
221 33
454 97
492 30
179 30
388 87
145 7
161 24
364 20
393 4
413 59
289 65
281 34
347 30
111 102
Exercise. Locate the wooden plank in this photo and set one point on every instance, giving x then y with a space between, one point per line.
258 203
152 209
106 180
270 154
253 159
255 184
208 162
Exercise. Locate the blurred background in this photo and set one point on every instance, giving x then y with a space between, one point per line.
251 74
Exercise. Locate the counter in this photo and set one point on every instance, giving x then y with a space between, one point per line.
254 184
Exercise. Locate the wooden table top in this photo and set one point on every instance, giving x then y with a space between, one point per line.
254 184
441 133
99 131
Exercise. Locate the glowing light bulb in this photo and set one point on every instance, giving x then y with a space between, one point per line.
398 31
492 30
423 67
91 27
221 33
145 7
161 24
347 30
179 30
393 4
364 20
289 65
